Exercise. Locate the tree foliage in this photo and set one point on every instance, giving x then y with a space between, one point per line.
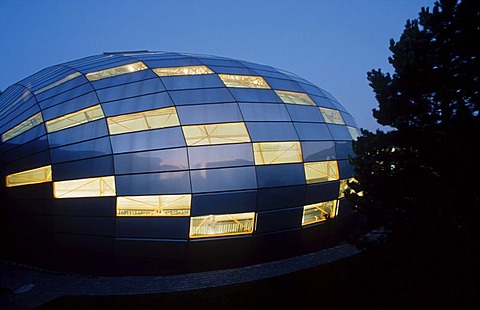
420 178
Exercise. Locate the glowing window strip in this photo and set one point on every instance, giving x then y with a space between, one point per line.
91 187
319 212
353 132
74 119
111 72
222 225
216 134
332 116
244 81
22 127
33 176
322 171
268 153
295 97
186 70
61 81
146 120
160 205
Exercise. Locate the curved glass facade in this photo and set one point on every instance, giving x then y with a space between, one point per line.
171 157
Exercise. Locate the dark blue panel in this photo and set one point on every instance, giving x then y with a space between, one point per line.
78 133
253 111
26 163
214 156
175 228
220 62
26 149
318 150
339 106
302 113
87 168
136 104
87 206
271 73
231 179
80 80
339 132
349 120
322 192
192 81
153 183
124 79
29 135
312 89
95 245
280 197
131 90
209 113
270 221
148 140
74 105
33 191
344 149
272 131
72 93
280 175
345 208
232 70
156 249
92 148
19 114
100 226
199 96
178 62
254 95
283 84
313 131
257 66
152 161
323 102
345 169
224 203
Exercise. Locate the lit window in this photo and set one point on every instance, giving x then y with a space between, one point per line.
294 97
33 176
61 81
103 74
267 153
322 171
160 205
22 127
319 212
74 119
216 134
221 225
91 187
187 70
245 81
146 120
353 132
332 116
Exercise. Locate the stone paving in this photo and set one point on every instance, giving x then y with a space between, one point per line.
24 287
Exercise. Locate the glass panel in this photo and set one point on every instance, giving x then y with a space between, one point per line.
33 176
217 180
332 116
280 175
209 113
216 134
61 81
161 205
323 171
22 127
221 225
267 153
75 118
147 120
272 131
294 97
187 70
244 81
215 156
353 132
91 187
102 74
148 140
319 212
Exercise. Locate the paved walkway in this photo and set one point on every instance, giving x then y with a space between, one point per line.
24 287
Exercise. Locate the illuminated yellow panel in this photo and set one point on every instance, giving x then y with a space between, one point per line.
160 205
103 74
221 225
61 81
187 70
294 97
244 81
216 134
22 127
74 119
319 212
33 176
353 132
91 187
332 116
322 171
268 153
146 120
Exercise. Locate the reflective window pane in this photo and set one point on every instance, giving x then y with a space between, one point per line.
323 171
186 70
32 176
209 113
75 119
22 127
146 120
216 134
319 212
243 81
55 84
215 156
294 97
102 74
90 187
332 116
268 153
158 205
272 131
222 225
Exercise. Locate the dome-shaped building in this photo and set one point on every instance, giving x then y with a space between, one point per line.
160 162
